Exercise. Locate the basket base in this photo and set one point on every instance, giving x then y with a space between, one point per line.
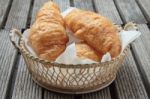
64 91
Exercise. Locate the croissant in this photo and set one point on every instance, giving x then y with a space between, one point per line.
96 30
47 34
84 51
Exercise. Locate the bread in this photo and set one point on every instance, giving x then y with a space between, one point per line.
47 34
84 51
96 30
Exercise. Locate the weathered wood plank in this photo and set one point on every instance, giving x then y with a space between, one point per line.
130 11
18 14
103 94
52 95
141 51
108 9
7 59
63 4
144 5
4 5
24 87
84 4
128 83
36 6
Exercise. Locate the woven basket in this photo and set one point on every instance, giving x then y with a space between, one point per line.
71 79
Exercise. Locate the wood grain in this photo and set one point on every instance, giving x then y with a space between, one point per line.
4 6
128 83
18 15
108 9
141 51
103 94
130 11
24 87
52 95
7 60
63 4
144 5
84 4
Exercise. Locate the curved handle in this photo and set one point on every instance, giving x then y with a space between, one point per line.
15 33
130 26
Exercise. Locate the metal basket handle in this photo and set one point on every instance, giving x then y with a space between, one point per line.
130 26
12 35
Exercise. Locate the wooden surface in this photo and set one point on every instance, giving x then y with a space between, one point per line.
128 82
142 55
103 94
18 14
130 11
144 5
133 78
4 10
84 4
108 9
7 62
24 87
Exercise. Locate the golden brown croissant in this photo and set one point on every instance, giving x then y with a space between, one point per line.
84 51
95 30
47 35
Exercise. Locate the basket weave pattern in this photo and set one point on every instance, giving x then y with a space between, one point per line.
72 78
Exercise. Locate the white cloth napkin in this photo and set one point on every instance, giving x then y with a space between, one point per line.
69 55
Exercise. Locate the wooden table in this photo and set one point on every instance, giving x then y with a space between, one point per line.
133 79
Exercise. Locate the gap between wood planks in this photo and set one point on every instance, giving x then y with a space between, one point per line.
140 72
14 70
142 62
12 78
113 91
145 13
132 51
72 3
123 20
30 14
112 88
94 8
6 15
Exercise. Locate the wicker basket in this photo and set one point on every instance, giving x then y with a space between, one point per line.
71 79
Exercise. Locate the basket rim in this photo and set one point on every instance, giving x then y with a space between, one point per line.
47 62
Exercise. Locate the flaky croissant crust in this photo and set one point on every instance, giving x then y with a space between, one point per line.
84 51
47 35
95 30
